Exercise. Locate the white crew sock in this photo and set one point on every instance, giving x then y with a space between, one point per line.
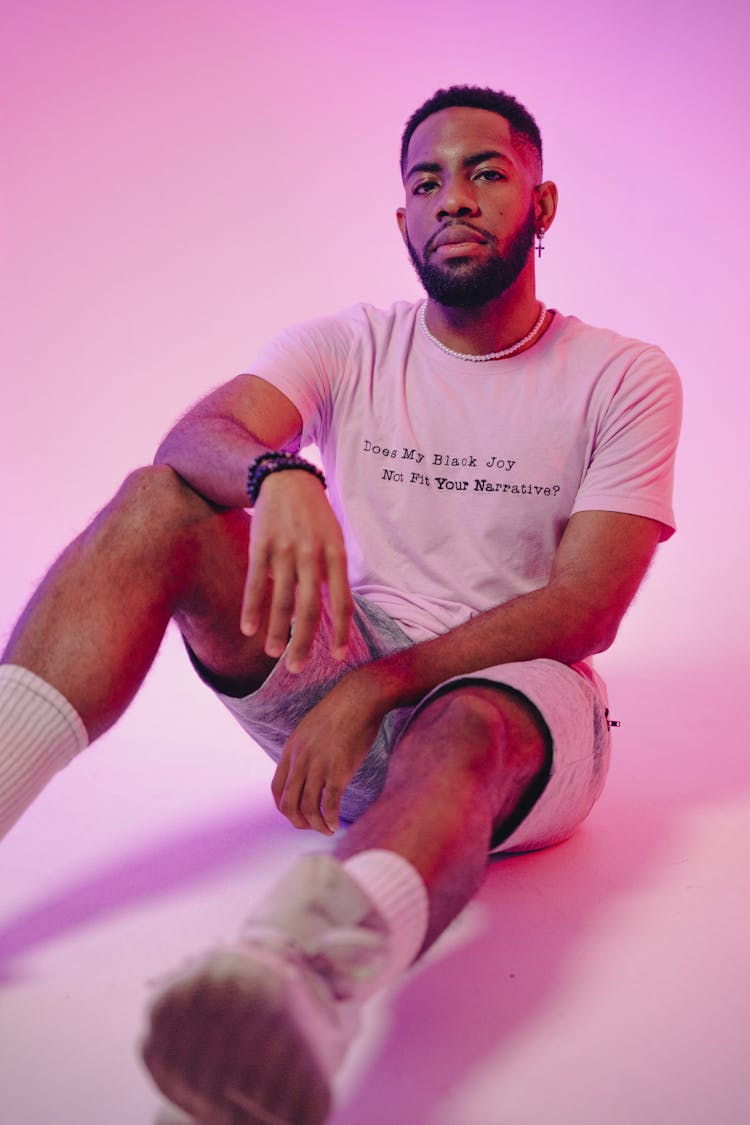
397 890
40 732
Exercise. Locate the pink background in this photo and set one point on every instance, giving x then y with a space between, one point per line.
180 180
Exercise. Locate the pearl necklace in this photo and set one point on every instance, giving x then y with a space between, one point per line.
490 355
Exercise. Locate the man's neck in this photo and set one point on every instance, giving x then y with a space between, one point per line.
491 327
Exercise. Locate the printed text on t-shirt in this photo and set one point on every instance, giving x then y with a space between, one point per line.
450 460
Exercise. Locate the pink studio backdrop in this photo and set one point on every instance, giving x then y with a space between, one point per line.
182 178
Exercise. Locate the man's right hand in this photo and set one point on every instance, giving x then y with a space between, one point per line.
296 541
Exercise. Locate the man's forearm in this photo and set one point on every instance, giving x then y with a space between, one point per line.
551 622
599 565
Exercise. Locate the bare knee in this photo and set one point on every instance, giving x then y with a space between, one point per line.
155 494
482 731
153 512
149 525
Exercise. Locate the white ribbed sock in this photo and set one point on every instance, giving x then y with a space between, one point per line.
397 890
40 732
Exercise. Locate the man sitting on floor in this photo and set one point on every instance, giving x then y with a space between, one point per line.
412 645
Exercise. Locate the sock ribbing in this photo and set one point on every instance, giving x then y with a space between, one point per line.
398 891
40 732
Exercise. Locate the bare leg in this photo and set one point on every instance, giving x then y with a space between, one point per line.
96 622
272 1025
459 773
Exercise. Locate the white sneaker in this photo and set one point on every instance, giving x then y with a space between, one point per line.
253 1034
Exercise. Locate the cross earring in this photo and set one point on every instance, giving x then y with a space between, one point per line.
539 247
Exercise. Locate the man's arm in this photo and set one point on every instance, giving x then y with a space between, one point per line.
598 567
296 539
212 445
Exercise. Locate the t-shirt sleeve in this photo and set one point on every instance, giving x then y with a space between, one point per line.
631 468
305 362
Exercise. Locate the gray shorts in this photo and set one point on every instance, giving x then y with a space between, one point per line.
571 705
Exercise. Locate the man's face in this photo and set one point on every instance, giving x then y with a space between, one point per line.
469 220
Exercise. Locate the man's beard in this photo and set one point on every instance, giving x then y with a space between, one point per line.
467 284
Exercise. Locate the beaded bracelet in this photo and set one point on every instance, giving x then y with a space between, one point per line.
273 462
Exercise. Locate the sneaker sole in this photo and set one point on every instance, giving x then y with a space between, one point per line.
225 1044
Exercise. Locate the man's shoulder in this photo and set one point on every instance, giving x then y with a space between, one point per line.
602 342
616 369
361 321
364 316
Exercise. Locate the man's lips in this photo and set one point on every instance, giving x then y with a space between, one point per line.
456 235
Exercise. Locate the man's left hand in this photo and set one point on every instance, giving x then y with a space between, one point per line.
325 750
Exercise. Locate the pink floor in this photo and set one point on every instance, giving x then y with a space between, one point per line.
605 980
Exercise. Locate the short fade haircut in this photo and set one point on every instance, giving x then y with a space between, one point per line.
524 129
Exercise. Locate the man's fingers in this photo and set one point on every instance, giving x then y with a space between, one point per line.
310 800
287 801
255 592
306 617
330 806
298 793
288 784
301 806
284 577
341 601
296 594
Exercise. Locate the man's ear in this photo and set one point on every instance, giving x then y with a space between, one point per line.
545 204
401 220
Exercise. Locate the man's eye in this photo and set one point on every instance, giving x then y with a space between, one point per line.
489 174
424 186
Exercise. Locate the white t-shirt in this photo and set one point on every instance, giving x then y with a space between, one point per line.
453 481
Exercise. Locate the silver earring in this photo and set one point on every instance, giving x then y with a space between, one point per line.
539 247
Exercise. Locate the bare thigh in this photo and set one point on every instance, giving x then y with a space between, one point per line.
207 612
191 559
157 551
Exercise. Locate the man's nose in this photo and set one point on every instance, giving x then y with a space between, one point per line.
455 200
